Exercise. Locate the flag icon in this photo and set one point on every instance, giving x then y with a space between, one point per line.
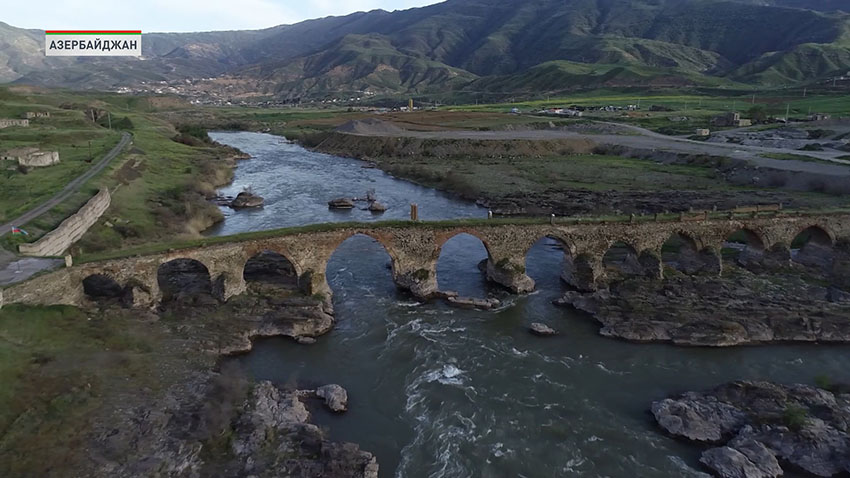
19 231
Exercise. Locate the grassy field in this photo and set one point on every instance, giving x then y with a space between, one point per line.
56 365
158 183
76 139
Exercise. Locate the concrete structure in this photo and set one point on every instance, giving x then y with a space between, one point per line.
31 157
36 114
15 153
57 241
8 122
39 159
414 250
731 119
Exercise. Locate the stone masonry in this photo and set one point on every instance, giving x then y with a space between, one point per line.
71 230
414 250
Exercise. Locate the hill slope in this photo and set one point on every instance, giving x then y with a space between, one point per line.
452 44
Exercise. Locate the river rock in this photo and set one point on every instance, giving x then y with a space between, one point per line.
697 417
754 461
706 310
246 199
341 203
272 437
336 398
798 424
470 302
375 206
542 330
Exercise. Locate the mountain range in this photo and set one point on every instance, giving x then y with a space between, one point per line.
479 45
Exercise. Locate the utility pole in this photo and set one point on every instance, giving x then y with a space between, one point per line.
90 156
787 111
754 98
805 90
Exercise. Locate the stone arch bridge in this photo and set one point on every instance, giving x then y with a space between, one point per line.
414 249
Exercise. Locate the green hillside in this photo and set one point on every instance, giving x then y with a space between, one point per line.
360 63
563 76
491 44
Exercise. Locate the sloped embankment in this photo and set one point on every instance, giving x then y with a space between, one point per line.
398 146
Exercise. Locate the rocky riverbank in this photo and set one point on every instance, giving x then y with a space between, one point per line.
761 429
194 415
736 309
576 202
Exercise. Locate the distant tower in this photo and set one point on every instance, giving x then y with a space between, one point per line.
410 105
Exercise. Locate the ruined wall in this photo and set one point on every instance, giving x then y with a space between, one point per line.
71 230
7 122
39 159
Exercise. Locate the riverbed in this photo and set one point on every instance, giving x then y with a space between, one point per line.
442 392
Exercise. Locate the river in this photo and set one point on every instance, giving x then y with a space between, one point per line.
442 392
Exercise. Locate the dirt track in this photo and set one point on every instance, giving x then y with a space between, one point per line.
642 139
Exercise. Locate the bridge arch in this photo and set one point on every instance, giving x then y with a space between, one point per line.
813 246
183 278
270 268
744 246
547 254
462 263
360 262
101 286
681 251
442 239
621 260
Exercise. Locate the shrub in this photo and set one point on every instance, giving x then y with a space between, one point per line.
794 417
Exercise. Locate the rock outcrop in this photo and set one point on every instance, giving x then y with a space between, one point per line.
246 199
542 330
763 424
735 309
341 203
336 398
375 206
273 437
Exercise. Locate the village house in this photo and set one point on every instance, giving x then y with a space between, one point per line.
7 122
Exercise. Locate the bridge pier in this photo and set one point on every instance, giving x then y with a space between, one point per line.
777 257
142 294
583 272
841 265
419 279
510 273
651 264
227 285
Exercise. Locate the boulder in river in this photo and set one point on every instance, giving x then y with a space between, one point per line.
375 206
751 460
246 199
341 203
336 398
542 330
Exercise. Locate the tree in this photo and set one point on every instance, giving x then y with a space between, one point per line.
757 113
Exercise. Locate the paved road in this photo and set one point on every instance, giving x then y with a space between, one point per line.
69 188
645 139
